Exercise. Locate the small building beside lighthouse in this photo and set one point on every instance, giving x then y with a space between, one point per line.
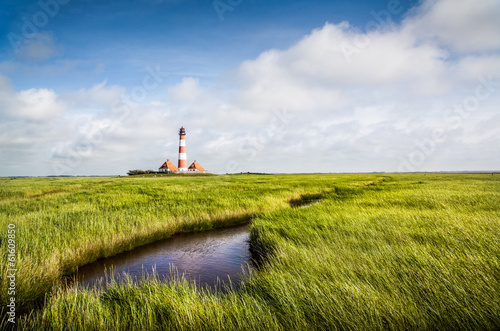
196 167
168 167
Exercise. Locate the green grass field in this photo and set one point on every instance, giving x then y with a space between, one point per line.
376 252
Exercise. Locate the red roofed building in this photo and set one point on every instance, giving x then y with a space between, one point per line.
168 167
195 166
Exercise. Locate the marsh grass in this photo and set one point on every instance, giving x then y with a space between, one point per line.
64 223
377 252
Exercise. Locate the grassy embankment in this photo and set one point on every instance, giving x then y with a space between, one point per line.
378 252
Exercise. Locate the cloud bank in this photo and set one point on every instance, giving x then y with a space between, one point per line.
415 96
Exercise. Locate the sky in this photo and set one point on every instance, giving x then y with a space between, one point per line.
93 87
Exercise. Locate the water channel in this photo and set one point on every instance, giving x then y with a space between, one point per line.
202 256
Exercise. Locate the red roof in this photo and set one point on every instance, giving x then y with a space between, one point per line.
197 166
169 165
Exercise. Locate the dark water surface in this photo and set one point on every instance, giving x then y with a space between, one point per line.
203 256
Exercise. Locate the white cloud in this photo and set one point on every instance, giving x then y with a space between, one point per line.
188 91
311 74
32 104
368 90
98 98
463 25
37 104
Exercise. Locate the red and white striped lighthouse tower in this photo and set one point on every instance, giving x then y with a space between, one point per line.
182 150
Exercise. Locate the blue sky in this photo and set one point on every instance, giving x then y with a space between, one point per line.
187 38
321 86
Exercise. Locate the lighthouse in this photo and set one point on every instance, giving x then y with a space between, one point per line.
182 150
182 166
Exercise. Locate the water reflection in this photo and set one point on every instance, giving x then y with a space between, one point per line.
203 256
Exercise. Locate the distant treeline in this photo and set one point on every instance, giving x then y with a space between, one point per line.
140 172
